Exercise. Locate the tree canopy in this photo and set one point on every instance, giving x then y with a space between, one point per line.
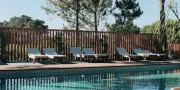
126 11
90 12
172 30
24 22
66 9
125 28
98 10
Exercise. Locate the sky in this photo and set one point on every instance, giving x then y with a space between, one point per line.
32 8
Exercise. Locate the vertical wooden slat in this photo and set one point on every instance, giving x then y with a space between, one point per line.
150 46
126 41
130 43
36 39
18 44
110 45
81 39
8 41
94 44
74 38
12 45
56 39
65 39
112 41
50 38
70 38
140 41
30 38
42 38
114 45
53 38
24 45
16 41
28 42
89 40
102 47
39 39
33 36
47 39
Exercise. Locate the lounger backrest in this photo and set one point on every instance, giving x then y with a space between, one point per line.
121 51
75 50
33 51
49 51
88 51
137 50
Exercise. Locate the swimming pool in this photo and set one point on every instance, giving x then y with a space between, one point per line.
157 77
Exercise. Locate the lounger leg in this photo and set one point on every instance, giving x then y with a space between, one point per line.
81 59
129 59
33 61
144 58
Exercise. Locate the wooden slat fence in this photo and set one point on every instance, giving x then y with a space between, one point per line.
102 42
176 48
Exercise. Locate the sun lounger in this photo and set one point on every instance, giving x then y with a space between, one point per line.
140 52
51 53
124 53
156 54
148 52
91 51
76 51
34 53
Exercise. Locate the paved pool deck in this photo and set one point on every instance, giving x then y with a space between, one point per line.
77 64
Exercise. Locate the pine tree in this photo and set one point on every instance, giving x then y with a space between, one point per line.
125 12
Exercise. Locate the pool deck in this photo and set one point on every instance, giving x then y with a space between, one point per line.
76 64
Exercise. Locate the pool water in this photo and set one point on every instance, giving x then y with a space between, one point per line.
112 80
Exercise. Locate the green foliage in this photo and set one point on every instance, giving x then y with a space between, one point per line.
60 43
86 9
4 37
126 11
67 9
125 28
172 30
98 10
24 22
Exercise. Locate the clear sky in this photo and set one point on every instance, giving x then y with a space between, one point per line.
10 8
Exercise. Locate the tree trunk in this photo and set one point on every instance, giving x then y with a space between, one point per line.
95 21
77 23
96 29
163 36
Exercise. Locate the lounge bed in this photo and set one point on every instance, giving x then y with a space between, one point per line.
34 53
91 51
77 53
52 54
124 53
157 54
140 52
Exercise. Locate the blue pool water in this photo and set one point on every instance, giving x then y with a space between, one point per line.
162 77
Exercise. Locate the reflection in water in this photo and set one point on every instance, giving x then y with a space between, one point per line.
162 81
156 80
